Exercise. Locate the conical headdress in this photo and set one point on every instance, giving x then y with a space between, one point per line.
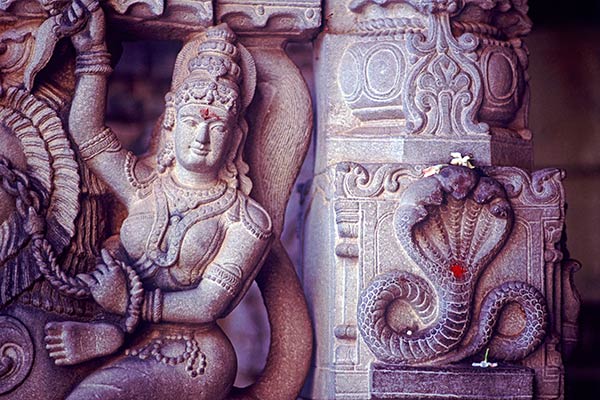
213 73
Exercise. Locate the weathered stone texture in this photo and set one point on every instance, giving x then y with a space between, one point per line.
415 269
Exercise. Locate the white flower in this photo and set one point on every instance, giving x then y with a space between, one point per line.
461 161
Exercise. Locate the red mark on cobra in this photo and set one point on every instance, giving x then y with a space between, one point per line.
458 270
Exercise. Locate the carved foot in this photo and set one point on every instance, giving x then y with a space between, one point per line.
71 342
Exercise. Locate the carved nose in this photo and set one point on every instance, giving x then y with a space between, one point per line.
202 135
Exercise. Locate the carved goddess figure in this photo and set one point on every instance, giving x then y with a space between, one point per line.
192 240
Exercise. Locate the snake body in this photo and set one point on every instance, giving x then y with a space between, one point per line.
451 225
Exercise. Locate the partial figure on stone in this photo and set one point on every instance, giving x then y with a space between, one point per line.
192 241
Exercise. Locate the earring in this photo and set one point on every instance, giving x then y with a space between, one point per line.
166 157
169 118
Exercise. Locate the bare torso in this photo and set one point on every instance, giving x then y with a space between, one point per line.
172 244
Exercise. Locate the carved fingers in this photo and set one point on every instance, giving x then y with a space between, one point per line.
86 18
72 18
108 285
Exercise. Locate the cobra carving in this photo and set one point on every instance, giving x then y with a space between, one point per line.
451 225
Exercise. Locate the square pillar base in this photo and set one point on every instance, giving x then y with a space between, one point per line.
451 382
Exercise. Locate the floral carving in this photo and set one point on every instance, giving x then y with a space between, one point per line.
541 187
355 180
443 90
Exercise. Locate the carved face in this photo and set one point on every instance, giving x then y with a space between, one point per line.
202 137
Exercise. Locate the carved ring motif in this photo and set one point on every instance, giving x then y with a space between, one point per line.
16 353
371 78
503 84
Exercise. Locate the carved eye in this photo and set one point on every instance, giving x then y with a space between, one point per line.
190 122
218 128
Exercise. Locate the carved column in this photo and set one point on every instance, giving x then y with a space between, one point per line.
417 270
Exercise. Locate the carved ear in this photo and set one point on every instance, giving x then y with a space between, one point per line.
166 157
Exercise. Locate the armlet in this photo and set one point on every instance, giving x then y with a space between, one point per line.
256 219
134 181
228 276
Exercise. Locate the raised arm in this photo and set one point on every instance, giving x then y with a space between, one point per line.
98 145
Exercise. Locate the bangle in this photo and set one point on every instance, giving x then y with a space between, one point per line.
95 62
106 140
153 306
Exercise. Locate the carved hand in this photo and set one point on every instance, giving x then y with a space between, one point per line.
92 36
108 285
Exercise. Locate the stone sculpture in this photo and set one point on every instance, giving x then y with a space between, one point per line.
114 267
81 300
440 248
451 224
193 240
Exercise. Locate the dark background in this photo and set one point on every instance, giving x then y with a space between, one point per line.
565 120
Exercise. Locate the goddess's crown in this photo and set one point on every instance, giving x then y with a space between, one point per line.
213 73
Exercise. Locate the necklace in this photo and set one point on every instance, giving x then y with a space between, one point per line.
165 239
183 199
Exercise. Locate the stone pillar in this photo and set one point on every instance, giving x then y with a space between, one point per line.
429 246
278 130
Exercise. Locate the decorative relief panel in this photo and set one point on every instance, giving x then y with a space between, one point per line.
346 219
370 79
353 180
445 81
451 225
439 280
190 10
121 6
449 264
290 19
409 71
454 82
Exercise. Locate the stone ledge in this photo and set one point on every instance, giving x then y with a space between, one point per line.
452 382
